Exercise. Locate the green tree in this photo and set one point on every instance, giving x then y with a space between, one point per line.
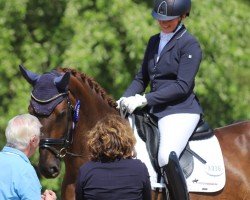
223 84
107 39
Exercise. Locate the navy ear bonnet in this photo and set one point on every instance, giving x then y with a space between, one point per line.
48 91
43 93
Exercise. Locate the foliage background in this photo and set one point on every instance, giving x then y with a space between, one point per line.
106 40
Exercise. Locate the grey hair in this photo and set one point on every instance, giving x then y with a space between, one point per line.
21 129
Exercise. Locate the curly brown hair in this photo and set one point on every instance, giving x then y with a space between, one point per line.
111 138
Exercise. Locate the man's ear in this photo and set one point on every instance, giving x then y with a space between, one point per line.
34 140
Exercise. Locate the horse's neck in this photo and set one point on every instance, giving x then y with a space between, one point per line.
93 106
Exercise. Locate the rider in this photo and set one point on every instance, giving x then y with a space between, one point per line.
171 62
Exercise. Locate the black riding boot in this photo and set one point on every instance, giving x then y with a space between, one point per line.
174 178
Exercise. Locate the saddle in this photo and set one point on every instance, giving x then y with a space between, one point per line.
147 128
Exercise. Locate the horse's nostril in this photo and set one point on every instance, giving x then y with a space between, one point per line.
50 172
53 170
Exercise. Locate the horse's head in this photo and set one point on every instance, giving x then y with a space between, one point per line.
50 103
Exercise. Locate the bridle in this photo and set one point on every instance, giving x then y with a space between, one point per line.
67 139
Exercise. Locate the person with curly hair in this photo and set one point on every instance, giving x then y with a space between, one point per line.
112 172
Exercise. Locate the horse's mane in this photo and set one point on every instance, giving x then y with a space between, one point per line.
92 84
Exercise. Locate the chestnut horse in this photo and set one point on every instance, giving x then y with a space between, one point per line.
70 111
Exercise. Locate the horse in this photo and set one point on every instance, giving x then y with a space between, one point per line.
68 113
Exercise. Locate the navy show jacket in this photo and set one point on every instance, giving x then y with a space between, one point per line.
171 77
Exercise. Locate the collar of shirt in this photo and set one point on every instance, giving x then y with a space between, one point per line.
165 38
168 36
13 151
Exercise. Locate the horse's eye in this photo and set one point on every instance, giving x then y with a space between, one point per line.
62 113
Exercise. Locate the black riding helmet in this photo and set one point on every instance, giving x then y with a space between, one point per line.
170 9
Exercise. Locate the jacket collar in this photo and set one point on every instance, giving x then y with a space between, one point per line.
171 43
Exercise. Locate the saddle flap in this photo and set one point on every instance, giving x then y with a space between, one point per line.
148 131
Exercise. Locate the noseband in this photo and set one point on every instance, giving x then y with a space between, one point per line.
67 139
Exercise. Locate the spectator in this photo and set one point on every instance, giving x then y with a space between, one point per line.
112 172
18 179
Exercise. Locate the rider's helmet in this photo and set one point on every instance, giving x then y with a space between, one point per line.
170 9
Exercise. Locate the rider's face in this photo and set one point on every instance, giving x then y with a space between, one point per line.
169 26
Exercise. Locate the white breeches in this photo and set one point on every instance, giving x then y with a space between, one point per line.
175 130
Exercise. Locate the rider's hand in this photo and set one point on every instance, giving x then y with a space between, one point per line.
133 102
119 102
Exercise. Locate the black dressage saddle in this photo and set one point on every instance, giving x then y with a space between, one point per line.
147 128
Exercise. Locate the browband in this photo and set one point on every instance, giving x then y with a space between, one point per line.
49 100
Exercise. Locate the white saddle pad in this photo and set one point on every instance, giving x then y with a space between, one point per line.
209 177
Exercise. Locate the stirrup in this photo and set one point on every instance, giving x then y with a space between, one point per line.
175 179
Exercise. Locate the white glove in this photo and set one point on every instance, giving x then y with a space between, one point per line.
133 102
119 102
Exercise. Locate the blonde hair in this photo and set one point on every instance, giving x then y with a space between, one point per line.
21 129
111 138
